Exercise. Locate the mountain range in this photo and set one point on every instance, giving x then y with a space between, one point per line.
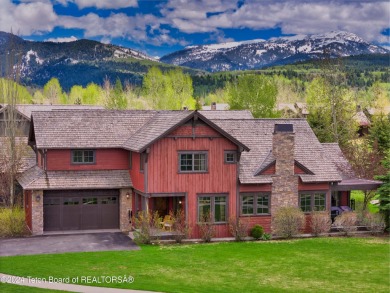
84 61
78 62
256 54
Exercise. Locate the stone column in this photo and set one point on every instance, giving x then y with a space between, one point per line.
284 182
125 199
37 212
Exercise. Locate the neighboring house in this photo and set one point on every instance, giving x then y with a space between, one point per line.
97 168
216 106
24 111
25 159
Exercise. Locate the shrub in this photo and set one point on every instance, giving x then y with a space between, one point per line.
180 225
320 222
257 232
288 221
238 228
375 223
12 222
346 222
147 227
206 227
266 237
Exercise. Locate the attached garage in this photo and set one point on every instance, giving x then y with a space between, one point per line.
80 210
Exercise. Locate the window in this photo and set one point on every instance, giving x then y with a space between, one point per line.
254 204
215 205
230 157
193 162
83 157
315 201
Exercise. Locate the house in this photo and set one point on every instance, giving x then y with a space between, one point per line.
97 168
23 114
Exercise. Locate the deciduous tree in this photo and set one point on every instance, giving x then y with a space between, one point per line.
256 93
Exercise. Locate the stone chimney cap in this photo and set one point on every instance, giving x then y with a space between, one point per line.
288 128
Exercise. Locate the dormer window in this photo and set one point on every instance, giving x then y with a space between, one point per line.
83 157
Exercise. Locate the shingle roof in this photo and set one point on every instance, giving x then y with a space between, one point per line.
36 178
133 129
230 114
336 156
27 109
87 129
27 159
257 135
158 125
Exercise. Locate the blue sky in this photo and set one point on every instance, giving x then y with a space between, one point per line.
161 27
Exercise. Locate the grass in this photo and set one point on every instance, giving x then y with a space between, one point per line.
10 288
304 265
358 196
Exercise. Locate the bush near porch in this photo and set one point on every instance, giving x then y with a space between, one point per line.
12 222
301 265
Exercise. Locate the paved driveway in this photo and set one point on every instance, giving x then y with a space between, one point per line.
66 243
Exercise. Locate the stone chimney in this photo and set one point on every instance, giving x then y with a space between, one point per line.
284 182
213 106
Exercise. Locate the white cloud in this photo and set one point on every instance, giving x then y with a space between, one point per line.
62 40
106 4
365 18
27 18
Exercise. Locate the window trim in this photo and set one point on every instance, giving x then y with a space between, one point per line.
255 197
206 153
83 163
312 201
212 206
130 160
234 153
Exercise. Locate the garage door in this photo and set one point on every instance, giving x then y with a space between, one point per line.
81 210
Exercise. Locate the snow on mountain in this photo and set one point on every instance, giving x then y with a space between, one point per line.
259 53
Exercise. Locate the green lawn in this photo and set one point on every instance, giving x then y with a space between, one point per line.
358 196
304 265
10 288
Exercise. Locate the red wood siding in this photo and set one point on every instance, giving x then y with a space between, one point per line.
312 186
136 176
307 228
255 187
163 175
200 129
106 159
264 221
298 170
27 208
344 198
270 170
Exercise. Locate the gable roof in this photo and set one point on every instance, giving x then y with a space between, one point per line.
134 130
257 135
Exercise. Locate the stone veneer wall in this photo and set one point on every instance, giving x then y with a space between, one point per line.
124 207
284 182
37 212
